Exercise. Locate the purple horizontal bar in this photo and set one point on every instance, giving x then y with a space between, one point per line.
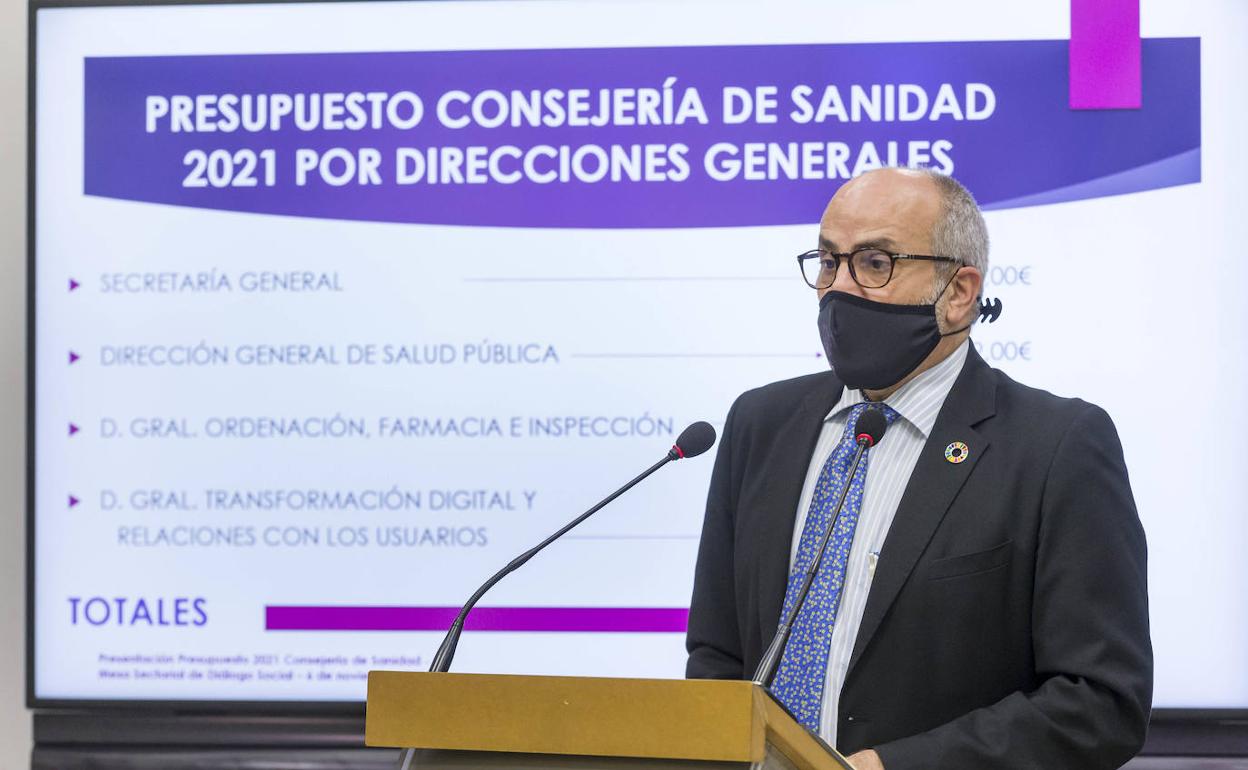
1105 54
610 619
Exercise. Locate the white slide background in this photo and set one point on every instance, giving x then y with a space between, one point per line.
1110 315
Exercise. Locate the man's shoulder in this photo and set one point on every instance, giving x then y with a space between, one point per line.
1039 410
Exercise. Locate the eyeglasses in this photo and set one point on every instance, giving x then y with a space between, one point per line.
871 268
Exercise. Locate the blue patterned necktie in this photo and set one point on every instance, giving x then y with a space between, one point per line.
804 664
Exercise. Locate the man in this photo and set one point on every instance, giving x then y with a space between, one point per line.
982 602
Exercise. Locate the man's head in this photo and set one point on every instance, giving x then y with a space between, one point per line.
912 211
897 237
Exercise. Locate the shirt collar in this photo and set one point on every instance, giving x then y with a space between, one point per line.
919 400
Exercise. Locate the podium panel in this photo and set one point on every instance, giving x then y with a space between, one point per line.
487 720
436 759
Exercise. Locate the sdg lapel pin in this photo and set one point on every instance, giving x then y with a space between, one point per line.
957 452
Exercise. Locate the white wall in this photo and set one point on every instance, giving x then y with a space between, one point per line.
14 719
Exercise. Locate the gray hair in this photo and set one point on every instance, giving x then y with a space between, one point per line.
960 231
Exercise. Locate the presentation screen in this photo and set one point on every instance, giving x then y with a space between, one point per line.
338 307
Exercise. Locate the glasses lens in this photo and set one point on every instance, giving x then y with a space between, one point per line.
872 268
819 269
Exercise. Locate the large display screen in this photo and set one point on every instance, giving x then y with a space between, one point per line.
338 307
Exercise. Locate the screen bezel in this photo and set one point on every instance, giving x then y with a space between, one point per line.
274 707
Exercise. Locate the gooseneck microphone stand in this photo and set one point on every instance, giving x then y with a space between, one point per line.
446 652
866 435
693 441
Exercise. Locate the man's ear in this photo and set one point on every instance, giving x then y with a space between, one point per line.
963 302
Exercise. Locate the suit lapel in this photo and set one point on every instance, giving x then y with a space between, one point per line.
795 442
932 488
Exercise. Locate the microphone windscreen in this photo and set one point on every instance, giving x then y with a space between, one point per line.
696 439
872 424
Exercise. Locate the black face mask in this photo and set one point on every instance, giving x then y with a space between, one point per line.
873 345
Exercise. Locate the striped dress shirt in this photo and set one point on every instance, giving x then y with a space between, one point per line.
892 461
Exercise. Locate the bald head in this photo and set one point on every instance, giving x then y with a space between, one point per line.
887 206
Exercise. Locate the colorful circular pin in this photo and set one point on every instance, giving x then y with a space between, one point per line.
957 452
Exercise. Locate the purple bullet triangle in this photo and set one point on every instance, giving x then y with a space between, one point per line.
72 356
73 284
72 429
72 501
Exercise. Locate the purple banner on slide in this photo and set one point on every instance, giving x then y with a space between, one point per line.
565 619
996 114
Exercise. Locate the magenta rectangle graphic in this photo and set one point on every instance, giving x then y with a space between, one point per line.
1105 54
558 619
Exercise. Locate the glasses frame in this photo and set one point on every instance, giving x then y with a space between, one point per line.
848 257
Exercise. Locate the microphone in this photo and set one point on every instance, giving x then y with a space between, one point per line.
693 441
868 431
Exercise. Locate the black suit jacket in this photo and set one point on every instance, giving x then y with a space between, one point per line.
1007 624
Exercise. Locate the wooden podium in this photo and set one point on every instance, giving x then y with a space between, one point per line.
468 721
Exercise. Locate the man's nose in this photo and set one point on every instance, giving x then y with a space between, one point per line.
844 281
